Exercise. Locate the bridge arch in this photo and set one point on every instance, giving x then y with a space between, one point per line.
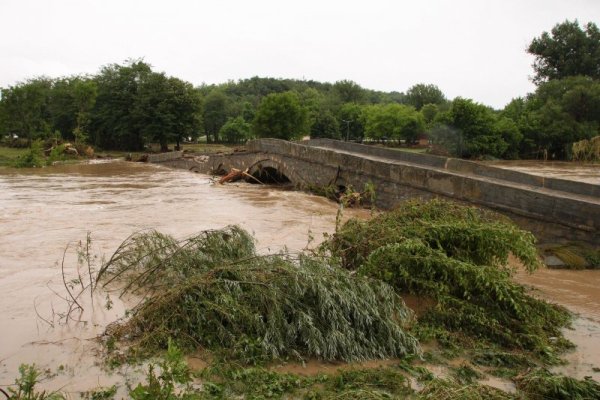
269 170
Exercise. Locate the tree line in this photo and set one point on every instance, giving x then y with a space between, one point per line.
126 106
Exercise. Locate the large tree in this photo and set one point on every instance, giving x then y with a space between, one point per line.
215 114
393 121
470 129
325 125
560 112
281 116
167 110
421 94
235 130
352 121
349 92
566 51
25 109
114 122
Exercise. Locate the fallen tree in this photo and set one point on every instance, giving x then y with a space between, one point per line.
456 257
213 291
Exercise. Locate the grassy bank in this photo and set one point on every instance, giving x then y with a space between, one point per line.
9 155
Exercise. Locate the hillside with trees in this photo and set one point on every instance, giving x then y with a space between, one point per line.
127 106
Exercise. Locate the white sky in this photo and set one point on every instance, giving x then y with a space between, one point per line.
469 48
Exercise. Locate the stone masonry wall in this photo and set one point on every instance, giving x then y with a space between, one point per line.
318 163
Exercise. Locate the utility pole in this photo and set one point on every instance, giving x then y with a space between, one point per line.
347 128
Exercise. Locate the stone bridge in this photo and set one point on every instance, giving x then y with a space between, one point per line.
551 207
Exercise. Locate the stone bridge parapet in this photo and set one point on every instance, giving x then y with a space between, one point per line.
397 175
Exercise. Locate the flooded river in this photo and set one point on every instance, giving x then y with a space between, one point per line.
581 172
41 211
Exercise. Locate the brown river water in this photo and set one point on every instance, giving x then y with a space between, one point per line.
582 172
41 211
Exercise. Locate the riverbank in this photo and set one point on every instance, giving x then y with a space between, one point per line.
9 156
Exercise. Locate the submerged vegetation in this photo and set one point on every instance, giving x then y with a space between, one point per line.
253 313
25 386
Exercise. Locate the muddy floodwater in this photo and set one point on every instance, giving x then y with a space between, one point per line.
581 172
42 211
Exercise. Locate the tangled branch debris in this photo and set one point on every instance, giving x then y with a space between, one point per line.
213 290
456 256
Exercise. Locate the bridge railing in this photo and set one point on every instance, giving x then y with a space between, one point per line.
428 160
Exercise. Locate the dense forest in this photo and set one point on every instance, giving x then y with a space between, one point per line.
127 106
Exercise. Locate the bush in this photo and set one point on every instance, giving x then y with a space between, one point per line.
34 158
25 386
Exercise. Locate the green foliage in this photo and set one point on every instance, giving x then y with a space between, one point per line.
25 386
559 113
540 384
100 394
429 112
510 133
465 374
422 94
379 383
166 110
113 121
502 359
325 125
280 116
349 92
352 121
566 51
213 290
24 109
444 389
215 108
393 121
173 382
235 130
261 383
56 154
251 383
34 158
474 130
469 234
456 256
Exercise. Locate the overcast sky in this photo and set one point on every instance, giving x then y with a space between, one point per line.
469 48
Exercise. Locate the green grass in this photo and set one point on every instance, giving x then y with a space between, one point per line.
409 149
8 155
